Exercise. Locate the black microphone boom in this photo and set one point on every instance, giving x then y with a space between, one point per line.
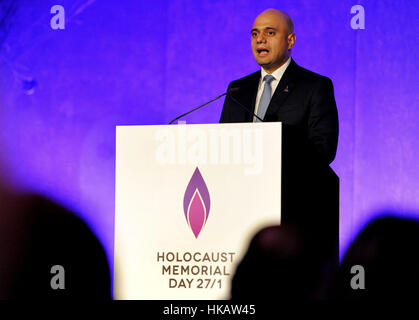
222 95
247 109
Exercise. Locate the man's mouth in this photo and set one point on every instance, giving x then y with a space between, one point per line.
262 51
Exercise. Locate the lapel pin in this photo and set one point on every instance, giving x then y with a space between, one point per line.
286 89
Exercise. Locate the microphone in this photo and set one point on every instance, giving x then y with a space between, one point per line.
247 109
222 95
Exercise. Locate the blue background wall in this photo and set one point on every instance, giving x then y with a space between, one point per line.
140 62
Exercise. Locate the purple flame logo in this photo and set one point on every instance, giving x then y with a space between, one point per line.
196 203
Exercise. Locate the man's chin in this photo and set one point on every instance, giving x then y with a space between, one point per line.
264 64
270 65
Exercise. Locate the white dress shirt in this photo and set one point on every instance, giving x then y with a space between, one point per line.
277 74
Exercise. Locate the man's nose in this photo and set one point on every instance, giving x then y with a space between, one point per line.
260 38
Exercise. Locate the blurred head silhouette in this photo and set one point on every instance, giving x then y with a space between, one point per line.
279 264
37 234
387 250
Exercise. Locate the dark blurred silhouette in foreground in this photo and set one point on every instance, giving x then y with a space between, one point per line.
282 263
37 234
387 249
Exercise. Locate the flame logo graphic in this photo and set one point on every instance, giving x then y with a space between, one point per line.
196 203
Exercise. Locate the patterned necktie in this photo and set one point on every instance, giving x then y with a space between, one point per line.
266 97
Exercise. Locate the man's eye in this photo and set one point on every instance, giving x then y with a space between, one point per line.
271 33
254 34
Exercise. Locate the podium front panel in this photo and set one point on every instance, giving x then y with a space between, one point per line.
188 200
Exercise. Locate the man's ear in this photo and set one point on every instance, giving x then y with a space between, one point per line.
291 40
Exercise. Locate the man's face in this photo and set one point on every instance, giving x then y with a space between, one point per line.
271 41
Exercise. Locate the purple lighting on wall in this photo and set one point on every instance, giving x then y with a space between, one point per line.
133 62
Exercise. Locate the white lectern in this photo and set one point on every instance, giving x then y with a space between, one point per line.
188 200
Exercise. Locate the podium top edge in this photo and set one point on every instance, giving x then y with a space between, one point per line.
274 124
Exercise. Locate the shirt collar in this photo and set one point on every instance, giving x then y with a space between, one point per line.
278 73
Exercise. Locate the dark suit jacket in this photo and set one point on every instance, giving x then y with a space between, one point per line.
303 100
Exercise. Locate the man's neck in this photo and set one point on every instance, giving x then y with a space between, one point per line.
270 71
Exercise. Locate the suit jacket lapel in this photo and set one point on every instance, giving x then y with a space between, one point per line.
282 91
248 94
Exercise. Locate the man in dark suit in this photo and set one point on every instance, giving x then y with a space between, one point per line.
304 102
299 98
